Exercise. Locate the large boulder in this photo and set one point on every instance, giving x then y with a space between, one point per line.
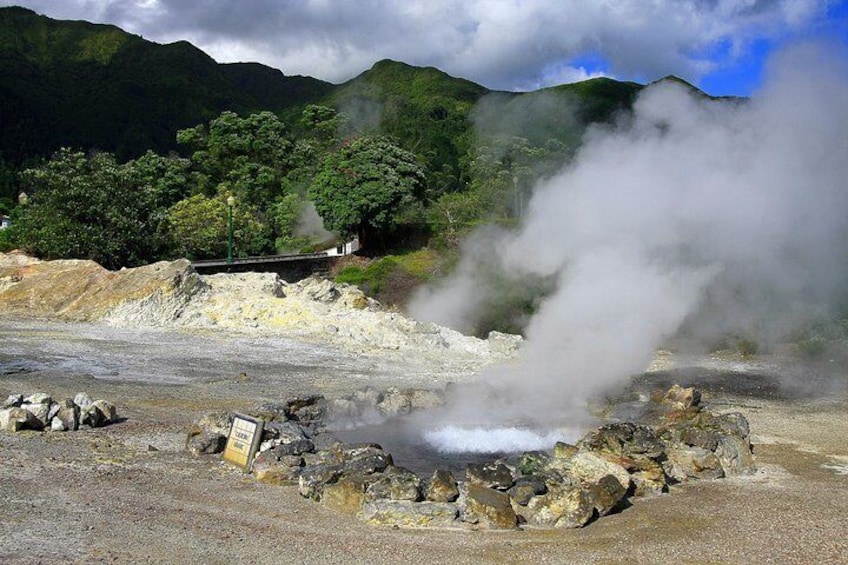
561 507
17 419
407 514
99 413
328 466
347 495
67 416
624 439
208 435
272 468
606 494
494 475
395 483
486 507
589 468
442 487
691 462
526 487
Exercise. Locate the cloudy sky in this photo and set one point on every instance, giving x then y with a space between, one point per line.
720 45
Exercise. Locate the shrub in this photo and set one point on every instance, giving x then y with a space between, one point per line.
747 347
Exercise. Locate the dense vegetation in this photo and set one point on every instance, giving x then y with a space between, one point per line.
450 153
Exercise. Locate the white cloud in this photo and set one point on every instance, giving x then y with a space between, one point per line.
503 44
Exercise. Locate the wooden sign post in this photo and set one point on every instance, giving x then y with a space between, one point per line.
243 441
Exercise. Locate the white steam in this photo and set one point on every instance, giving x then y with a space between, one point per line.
455 439
712 216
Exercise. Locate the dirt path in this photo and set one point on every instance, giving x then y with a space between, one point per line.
129 494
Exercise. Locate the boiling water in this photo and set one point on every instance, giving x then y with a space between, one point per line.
424 449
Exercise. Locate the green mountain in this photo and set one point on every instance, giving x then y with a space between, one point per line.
87 85
92 86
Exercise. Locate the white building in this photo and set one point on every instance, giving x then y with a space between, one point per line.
5 222
348 248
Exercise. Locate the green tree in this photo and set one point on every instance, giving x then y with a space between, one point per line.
246 157
199 226
361 187
257 160
161 182
85 207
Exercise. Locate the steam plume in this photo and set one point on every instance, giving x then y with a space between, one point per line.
718 216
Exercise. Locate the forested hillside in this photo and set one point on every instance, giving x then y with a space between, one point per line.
77 84
160 139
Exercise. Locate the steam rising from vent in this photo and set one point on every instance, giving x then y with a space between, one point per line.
454 439
690 217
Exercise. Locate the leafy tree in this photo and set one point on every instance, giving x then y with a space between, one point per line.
85 208
284 216
162 182
363 185
199 226
453 215
257 160
246 157
323 123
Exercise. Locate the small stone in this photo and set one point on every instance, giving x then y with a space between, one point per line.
39 413
38 398
83 400
526 488
14 401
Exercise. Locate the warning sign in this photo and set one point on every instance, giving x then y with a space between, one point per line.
245 435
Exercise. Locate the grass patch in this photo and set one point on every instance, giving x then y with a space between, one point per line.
392 279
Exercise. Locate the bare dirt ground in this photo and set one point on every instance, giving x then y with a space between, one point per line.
127 493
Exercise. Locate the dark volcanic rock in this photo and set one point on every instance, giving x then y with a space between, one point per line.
492 475
526 488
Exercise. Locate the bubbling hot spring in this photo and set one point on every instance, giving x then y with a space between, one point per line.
451 436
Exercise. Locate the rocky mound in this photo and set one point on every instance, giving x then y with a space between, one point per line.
75 290
172 294
39 412
678 440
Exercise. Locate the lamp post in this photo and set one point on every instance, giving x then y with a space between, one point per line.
231 201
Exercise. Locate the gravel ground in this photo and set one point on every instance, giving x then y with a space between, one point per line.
128 494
